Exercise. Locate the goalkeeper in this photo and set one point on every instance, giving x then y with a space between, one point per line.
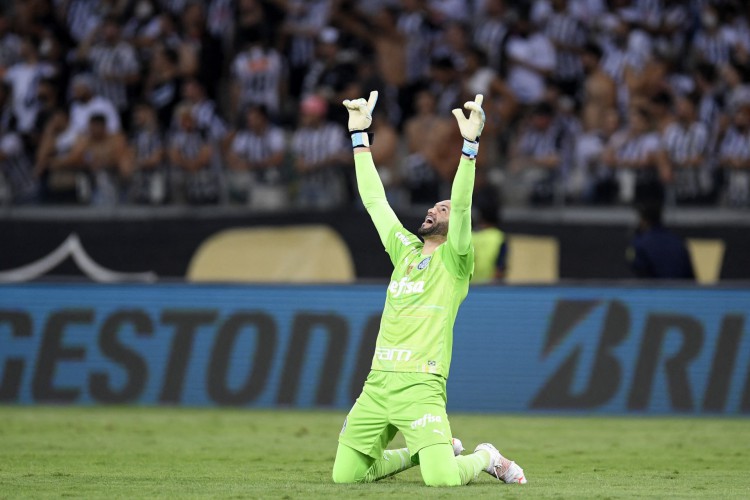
406 387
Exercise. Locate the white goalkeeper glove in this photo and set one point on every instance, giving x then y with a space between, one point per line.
471 128
360 118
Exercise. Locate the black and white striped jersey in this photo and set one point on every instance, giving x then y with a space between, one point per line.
111 63
16 167
564 28
735 144
418 43
314 144
489 36
145 144
259 148
683 143
312 15
82 17
259 73
715 48
208 119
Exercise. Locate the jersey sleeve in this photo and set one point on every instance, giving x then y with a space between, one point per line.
373 196
459 254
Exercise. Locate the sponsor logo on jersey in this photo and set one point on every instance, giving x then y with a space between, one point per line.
391 354
425 262
403 239
427 418
404 286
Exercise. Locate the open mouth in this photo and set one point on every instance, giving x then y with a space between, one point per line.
429 220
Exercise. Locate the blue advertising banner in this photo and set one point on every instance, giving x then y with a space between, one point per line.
516 349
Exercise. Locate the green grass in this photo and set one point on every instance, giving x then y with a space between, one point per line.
171 452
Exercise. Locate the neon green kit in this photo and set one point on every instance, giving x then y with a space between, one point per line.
416 329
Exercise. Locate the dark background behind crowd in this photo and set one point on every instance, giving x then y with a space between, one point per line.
155 102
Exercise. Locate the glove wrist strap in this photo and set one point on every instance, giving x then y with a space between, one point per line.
362 139
470 148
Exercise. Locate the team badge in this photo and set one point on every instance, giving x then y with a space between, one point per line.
425 262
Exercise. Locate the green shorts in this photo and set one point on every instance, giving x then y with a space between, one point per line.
413 403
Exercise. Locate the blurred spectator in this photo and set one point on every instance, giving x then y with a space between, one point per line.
201 54
632 156
100 155
661 109
320 148
304 20
445 85
490 244
204 110
57 185
478 77
331 71
385 156
453 44
736 78
734 158
17 182
257 76
81 18
599 90
419 173
416 36
256 161
10 44
531 60
87 104
539 157
714 43
24 78
113 63
141 23
685 148
162 29
251 23
391 45
655 252
491 31
48 98
590 180
189 153
146 157
163 83
711 105
568 36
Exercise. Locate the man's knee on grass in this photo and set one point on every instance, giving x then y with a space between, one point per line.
438 466
350 465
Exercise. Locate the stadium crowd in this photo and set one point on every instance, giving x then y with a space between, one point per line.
154 102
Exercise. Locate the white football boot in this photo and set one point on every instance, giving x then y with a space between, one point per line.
458 446
500 467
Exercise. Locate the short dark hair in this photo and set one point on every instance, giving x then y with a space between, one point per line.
594 49
98 118
544 108
650 212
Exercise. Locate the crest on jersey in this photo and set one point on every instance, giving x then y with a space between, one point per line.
425 262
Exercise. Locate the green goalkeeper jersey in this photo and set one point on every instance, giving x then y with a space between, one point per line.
422 300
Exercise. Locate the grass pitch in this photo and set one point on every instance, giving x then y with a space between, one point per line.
171 452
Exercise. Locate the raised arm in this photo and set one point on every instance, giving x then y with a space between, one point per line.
459 234
368 181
